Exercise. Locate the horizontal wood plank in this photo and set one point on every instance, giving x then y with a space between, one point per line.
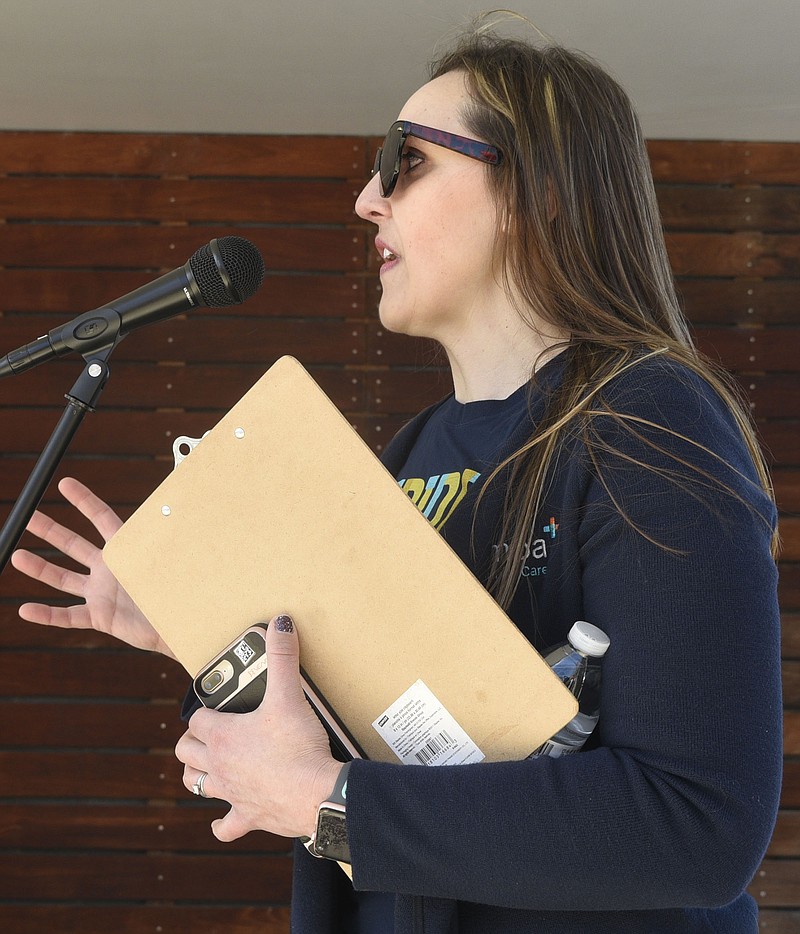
777 883
787 489
31 774
268 201
694 207
71 292
121 673
752 349
153 246
216 338
148 827
789 586
233 155
122 877
779 921
39 724
740 301
790 635
726 162
144 384
786 838
738 254
116 480
144 919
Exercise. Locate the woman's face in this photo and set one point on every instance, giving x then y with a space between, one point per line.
438 226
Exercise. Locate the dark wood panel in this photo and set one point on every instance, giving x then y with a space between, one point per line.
791 689
150 246
110 674
776 921
117 480
274 201
787 489
781 439
790 791
185 827
118 877
739 254
44 724
790 635
773 395
90 774
694 207
402 390
72 291
740 301
741 163
786 838
752 349
789 586
791 732
19 634
154 385
144 919
790 535
215 338
182 154
777 883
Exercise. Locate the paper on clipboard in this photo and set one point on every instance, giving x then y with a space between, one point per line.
283 509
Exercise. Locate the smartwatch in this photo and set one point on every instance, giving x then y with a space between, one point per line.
330 836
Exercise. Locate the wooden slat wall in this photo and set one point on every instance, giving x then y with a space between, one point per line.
98 833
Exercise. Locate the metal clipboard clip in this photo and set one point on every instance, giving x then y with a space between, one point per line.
182 447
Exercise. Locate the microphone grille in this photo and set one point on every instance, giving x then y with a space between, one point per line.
243 266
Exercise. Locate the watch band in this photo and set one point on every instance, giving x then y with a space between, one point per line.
330 836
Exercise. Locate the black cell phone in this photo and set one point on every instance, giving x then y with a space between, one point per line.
235 681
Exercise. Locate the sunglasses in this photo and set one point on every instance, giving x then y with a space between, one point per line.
389 156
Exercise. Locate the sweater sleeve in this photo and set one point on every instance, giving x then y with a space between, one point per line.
676 804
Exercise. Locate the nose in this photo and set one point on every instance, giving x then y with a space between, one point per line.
370 204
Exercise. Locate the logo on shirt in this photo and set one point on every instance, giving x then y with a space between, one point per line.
438 497
535 551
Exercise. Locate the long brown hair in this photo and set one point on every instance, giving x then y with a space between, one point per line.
580 247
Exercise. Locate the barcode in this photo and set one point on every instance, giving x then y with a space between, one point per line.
434 747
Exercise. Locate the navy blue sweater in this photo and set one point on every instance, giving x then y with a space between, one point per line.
660 824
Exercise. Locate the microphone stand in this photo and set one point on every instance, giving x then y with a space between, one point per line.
81 399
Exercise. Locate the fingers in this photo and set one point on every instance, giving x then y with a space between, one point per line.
230 828
283 654
39 569
62 538
99 513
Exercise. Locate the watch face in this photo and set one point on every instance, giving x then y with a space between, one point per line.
331 837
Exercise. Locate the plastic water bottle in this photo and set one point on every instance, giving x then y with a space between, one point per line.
577 663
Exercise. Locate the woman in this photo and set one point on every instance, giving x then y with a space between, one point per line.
615 479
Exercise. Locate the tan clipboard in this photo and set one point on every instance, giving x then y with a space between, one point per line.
282 508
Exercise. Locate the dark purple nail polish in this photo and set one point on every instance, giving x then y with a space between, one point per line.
284 624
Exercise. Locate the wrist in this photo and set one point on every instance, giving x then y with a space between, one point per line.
329 838
324 784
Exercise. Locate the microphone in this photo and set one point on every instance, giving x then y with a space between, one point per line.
223 272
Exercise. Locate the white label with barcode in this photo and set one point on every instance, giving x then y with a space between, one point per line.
420 731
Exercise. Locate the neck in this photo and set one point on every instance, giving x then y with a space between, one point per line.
496 356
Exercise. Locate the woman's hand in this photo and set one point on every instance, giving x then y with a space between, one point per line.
108 608
274 765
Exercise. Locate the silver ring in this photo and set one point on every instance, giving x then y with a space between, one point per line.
198 787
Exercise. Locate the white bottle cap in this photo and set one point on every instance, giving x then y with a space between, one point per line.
589 639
